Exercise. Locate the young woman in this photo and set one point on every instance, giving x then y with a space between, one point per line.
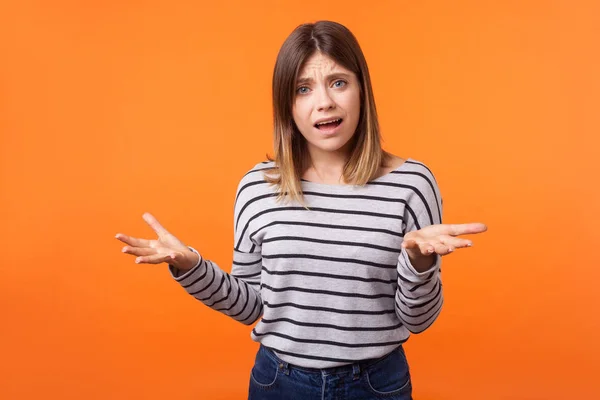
337 243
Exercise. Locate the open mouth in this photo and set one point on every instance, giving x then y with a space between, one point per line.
331 124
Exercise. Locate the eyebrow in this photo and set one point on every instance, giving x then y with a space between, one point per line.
303 80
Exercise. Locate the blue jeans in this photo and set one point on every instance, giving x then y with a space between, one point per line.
384 378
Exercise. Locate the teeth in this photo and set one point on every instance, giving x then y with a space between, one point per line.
330 121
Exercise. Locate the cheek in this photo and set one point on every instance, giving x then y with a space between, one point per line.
296 115
356 103
301 114
350 102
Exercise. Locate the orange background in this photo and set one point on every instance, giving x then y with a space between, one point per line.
109 109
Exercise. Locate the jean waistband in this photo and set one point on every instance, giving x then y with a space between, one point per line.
326 371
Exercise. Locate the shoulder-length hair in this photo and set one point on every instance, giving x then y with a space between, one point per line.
366 155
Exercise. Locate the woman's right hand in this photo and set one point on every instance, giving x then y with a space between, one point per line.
167 248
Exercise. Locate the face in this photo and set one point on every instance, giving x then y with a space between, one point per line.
327 105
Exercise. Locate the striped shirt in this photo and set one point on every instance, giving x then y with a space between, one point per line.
331 283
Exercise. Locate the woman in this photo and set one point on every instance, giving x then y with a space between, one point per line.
337 243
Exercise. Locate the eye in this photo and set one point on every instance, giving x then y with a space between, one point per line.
302 90
340 83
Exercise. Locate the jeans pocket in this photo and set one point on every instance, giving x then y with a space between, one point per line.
389 376
265 371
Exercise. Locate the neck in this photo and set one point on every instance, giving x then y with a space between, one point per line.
326 166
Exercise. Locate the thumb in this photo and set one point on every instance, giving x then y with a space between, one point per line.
176 256
154 224
183 260
409 244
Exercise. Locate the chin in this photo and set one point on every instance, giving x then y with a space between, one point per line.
331 145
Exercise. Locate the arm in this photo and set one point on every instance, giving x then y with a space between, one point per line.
419 296
235 294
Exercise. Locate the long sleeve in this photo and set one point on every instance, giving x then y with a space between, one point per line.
235 294
419 296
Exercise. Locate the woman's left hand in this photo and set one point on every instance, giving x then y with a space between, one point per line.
440 239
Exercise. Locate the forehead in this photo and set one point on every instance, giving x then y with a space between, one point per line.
320 64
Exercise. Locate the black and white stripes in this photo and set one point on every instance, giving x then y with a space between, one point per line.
331 283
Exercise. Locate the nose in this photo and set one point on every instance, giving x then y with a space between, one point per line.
324 100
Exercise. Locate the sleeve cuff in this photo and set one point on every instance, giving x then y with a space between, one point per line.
179 274
427 272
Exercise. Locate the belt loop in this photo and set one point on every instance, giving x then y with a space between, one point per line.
285 367
355 371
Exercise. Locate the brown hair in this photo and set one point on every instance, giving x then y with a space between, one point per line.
366 155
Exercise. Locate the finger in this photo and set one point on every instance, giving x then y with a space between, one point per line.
454 243
409 244
135 242
412 244
176 257
465 229
139 251
442 249
154 224
155 259
426 248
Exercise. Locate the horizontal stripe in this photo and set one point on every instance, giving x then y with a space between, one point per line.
425 324
245 264
327 342
417 192
320 358
207 285
328 292
215 291
198 278
331 276
438 299
334 259
332 242
419 295
422 304
247 185
326 309
330 326
225 297
239 276
326 226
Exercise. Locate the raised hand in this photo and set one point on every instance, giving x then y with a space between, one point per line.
166 248
440 238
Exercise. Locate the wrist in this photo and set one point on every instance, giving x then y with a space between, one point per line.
421 262
192 260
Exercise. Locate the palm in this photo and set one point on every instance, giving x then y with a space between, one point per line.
167 243
440 238
166 248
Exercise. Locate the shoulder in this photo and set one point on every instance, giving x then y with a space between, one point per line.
416 181
252 182
256 172
425 193
419 169
409 171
